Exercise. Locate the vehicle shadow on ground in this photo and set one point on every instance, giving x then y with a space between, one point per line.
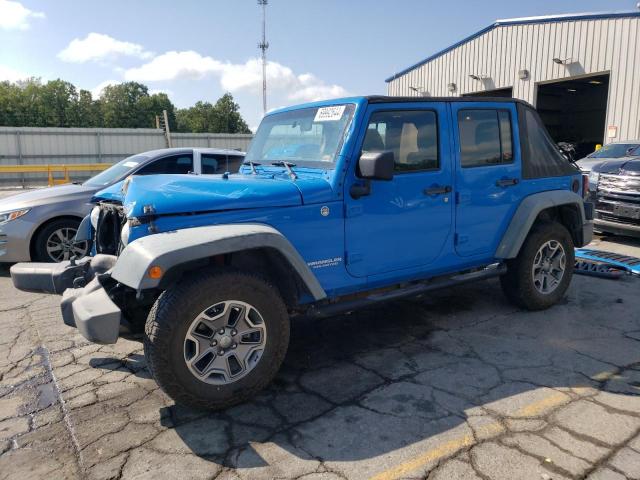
356 387
617 240
4 269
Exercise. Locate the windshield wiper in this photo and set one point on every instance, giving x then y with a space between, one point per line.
253 166
288 166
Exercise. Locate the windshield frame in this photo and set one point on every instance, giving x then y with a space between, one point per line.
141 160
258 142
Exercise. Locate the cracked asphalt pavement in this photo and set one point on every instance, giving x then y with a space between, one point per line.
456 385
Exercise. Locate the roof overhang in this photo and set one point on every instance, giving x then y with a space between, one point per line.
518 21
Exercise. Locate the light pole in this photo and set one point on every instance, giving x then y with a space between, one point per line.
263 45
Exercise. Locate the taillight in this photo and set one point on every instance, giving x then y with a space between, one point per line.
585 186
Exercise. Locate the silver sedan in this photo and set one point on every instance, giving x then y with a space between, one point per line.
40 224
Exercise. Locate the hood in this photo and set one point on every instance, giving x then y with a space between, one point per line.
177 194
587 163
112 192
620 166
40 196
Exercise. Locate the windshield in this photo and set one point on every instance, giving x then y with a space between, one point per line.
616 150
115 172
311 135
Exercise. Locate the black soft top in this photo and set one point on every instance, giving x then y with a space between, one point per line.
388 99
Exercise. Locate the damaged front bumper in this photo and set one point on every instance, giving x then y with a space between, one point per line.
85 304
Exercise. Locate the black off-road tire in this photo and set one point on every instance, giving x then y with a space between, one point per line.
171 316
518 284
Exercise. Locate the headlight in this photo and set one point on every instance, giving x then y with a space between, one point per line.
95 215
124 234
593 179
8 216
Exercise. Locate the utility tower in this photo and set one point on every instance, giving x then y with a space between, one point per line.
263 45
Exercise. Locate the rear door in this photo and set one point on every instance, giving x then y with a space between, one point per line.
405 222
488 173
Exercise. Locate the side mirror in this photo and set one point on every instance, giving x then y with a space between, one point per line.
376 165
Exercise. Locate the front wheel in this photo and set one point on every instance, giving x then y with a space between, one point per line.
540 275
55 242
216 338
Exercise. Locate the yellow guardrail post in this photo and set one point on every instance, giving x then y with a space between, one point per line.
50 169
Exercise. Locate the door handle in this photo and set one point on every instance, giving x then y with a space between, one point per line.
437 190
506 182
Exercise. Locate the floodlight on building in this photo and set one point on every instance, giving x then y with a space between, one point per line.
560 61
452 87
478 77
523 74
419 90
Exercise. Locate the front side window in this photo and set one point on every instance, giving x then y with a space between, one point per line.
307 135
411 135
178 164
485 137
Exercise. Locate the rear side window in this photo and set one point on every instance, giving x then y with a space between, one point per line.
411 135
485 137
171 164
217 163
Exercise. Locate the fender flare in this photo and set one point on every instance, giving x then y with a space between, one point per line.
526 214
170 249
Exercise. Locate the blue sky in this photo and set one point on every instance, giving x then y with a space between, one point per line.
197 50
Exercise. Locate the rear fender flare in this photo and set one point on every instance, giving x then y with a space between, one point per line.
526 215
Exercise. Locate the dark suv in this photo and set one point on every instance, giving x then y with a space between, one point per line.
615 191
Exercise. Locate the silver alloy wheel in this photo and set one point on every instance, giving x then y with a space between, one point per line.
225 342
62 246
549 266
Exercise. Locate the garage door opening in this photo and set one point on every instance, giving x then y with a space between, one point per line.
575 110
500 93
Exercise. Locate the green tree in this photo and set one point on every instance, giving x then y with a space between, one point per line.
128 105
120 106
223 117
228 116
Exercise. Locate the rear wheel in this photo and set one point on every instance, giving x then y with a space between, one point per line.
55 241
540 275
216 338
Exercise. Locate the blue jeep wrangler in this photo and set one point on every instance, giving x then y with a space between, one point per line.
340 205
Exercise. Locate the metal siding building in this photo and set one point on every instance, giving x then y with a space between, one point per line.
605 44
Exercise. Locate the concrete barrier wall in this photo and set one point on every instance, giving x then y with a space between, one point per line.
34 145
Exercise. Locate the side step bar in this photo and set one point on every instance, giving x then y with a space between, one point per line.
412 290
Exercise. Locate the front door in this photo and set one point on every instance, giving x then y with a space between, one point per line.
403 223
488 174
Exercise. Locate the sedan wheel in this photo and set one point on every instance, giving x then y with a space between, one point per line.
55 242
62 246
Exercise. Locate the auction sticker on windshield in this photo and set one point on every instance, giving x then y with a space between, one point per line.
329 114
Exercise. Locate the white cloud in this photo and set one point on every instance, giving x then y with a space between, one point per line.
98 46
97 90
15 16
172 65
12 75
235 77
